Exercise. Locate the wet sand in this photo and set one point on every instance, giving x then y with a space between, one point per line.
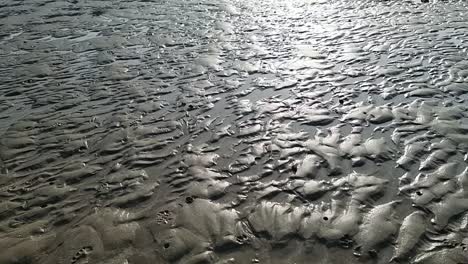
183 131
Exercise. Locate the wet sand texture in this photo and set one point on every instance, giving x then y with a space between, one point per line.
202 131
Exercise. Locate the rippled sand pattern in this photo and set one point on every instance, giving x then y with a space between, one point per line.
269 131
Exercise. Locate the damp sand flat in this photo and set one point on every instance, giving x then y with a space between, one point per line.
207 131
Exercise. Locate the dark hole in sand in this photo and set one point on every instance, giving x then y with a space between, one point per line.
189 200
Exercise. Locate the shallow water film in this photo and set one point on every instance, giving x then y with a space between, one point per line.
203 131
